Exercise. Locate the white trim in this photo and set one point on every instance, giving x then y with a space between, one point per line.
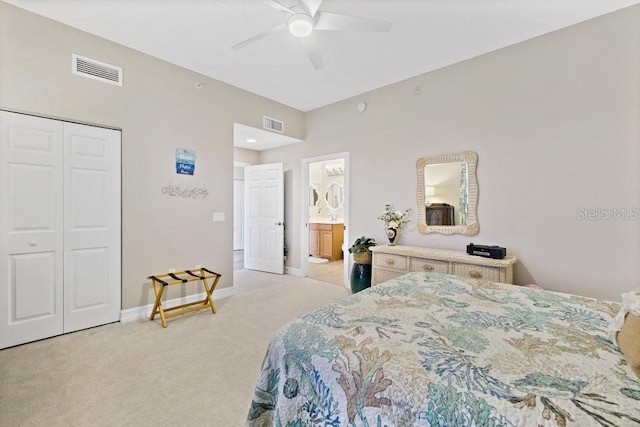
304 213
293 271
144 311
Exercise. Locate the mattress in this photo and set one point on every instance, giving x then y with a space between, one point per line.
439 350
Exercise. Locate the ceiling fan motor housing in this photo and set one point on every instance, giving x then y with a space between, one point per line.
300 24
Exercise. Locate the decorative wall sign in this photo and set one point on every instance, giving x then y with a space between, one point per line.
185 161
191 191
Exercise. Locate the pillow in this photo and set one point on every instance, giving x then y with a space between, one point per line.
628 336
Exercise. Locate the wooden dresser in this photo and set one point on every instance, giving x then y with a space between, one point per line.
392 261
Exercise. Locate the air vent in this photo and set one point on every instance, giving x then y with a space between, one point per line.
273 124
96 70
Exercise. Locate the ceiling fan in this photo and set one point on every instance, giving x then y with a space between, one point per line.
304 19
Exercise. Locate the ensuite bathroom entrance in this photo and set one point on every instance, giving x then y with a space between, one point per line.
324 251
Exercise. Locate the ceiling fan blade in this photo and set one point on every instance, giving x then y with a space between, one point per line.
313 6
330 21
278 6
313 51
258 37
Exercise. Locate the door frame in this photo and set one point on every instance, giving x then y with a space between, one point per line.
304 212
242 165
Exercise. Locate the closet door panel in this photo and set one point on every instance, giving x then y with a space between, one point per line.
33 287
92 226
31 228
88 279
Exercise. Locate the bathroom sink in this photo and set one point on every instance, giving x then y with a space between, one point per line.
325 221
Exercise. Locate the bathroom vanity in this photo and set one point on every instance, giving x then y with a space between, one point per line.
325 239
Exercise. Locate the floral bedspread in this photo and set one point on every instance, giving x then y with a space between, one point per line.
438 350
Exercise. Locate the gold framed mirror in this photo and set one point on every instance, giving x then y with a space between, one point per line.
448 194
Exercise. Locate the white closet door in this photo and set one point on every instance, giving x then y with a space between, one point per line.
31 228
92 284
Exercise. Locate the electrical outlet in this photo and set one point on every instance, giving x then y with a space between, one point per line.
172 270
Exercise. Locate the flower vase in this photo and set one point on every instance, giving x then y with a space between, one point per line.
392 233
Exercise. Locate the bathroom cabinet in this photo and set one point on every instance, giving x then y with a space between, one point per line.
325 240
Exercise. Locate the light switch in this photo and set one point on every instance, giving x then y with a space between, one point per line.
218 216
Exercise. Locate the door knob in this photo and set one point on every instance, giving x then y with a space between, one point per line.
33 243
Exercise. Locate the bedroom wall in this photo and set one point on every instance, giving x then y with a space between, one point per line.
244 155
555 122
158 109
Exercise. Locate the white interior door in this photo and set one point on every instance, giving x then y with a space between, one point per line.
238 214
264 218
31 228
91 226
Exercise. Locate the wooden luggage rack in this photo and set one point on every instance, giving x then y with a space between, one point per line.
159 283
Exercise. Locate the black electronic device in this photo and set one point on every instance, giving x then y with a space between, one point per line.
496 252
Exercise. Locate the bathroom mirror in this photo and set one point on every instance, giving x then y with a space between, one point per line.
334 196
448 194
314 195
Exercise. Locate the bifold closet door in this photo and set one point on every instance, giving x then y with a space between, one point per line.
31 221
59 227
91 226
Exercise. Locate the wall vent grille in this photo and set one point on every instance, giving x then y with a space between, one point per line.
273 124
96 70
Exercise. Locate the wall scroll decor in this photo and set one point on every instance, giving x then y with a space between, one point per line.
191 191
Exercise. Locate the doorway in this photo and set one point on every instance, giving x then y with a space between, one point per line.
325 208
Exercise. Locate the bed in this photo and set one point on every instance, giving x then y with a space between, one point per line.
439 350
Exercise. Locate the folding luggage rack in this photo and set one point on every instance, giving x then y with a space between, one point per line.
200 274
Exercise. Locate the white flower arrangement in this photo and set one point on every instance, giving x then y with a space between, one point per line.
394 218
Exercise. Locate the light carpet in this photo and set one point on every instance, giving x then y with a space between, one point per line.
200 371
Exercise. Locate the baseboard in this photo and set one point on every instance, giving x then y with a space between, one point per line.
144 311
293 271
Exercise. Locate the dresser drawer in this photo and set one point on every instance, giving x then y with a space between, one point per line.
428 265
396 262
380 275
477 272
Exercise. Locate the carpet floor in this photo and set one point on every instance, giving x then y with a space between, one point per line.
200 371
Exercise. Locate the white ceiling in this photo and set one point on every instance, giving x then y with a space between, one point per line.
259 139
426 35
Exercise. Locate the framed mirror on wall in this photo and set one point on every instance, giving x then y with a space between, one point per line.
334 196
447 194
314 195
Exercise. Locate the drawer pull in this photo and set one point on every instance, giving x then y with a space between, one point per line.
389 261
428 267
475 274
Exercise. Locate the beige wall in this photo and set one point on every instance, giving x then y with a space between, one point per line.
555 122
243 155
158 109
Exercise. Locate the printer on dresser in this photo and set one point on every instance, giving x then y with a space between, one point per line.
392 261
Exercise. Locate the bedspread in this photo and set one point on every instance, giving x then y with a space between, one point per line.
439 350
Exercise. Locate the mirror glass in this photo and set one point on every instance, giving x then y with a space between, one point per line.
314 195
448 194
334 195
